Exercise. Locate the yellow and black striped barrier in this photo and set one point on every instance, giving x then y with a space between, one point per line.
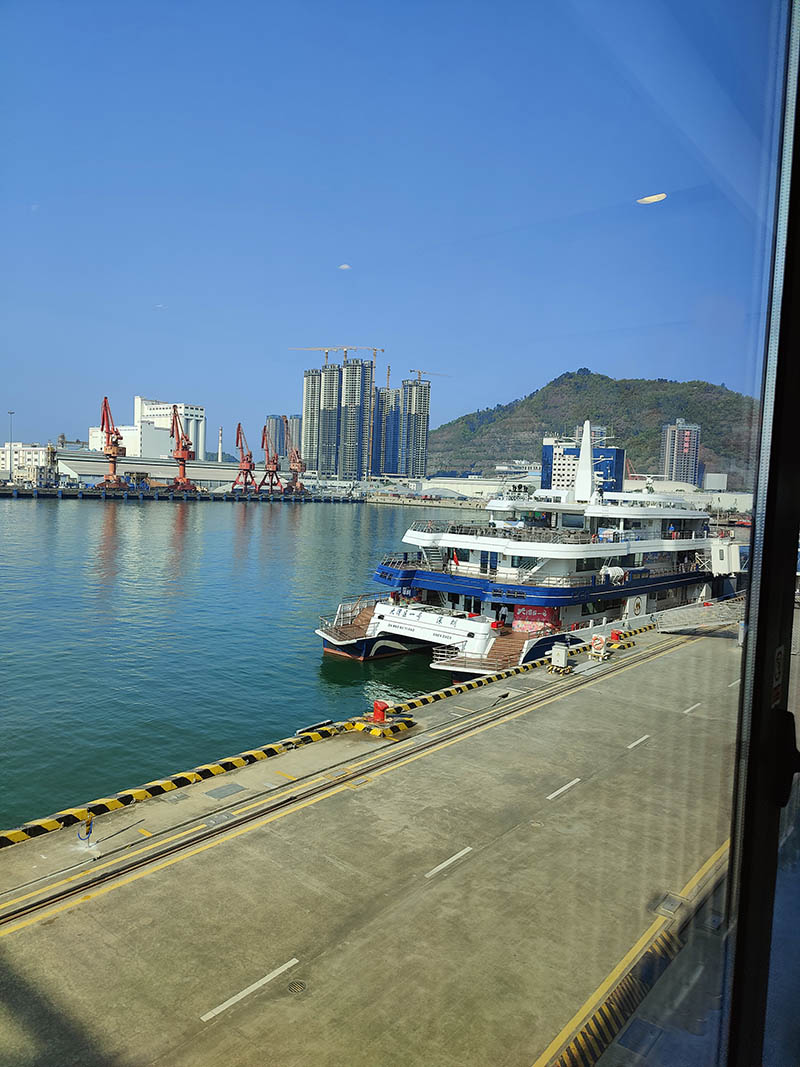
598 1032
625 634
476 683
71 816
385 729
617 645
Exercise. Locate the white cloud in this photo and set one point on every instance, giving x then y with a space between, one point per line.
344 266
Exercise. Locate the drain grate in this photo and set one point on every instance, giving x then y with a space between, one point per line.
296 986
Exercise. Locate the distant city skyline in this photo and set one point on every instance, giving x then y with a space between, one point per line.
187 197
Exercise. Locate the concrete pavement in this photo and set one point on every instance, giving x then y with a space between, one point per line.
453 908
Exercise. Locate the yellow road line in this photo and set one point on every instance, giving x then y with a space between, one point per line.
146 833
710 862
99 867
102 890
291 777
295 807
593 1002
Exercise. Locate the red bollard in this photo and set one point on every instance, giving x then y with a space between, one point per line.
379 710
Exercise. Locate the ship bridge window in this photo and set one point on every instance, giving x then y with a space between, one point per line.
571 521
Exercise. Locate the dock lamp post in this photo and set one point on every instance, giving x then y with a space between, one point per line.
11 446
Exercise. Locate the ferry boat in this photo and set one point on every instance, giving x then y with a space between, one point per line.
544 566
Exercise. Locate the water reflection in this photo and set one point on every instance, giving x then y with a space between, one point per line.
177 555
392 680
107 566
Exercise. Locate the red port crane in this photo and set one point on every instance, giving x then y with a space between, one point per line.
112 448
182 452
296 465
245 478
270 465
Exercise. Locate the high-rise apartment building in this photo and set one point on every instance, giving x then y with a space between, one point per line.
356 410
351 430
295 433
386 431
312 391
414 419
680 446
329 401
274 424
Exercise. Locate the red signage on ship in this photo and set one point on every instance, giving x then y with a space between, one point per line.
535 619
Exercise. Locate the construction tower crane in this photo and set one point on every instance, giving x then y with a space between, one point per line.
428 373
270 464
326 349
112 448
182 452
245 479
296 465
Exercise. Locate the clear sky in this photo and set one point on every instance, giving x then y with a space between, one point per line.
182 180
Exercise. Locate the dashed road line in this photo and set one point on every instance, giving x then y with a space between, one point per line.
447 863
563 789
687 710
733 683
633 744
209 1015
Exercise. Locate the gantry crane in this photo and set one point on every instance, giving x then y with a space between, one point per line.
270 465
245 479
182 452
296 465
112 448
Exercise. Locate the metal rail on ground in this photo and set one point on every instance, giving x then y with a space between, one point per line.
444 735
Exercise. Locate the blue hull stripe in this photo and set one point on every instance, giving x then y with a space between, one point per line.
552 596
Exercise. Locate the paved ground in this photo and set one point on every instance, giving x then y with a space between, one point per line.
454 909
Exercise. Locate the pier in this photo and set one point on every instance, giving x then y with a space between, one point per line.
473 890
230 496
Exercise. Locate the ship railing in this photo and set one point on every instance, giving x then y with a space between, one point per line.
399 560
347 612
550 535
455 657
529 578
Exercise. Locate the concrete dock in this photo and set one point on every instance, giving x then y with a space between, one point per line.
463 894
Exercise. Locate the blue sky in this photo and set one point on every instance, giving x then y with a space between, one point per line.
182 180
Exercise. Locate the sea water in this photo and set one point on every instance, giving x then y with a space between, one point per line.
138 639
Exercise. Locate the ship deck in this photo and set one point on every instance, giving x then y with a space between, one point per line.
453 896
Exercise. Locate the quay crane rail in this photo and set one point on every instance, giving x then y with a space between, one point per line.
112 449
271 475
182 452
245 479
296 465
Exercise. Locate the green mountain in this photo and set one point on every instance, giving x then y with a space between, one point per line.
635 409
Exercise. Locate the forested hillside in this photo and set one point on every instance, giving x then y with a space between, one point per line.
635 408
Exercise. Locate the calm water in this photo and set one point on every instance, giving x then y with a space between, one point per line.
139 639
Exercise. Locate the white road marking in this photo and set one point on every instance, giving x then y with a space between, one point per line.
563 789
250 989
687 710
633 744
732 684
447 863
